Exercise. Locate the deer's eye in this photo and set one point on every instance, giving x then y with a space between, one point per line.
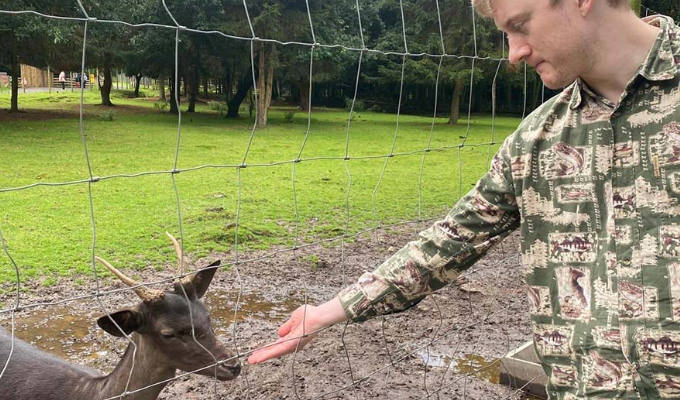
168 334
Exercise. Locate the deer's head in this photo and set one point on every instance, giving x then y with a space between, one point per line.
175 324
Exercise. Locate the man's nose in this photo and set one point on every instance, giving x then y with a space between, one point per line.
518 52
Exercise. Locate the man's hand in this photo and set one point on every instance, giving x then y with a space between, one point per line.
300 329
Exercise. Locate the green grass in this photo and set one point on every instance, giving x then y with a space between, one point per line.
48 229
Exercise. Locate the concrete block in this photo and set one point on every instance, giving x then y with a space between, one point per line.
520 368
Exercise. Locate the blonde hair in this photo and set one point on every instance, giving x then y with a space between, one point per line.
485 7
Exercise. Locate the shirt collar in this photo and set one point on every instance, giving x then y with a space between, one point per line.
659 64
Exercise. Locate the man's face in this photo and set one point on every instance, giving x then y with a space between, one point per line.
551 39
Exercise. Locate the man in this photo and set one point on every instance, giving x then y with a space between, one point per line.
592 180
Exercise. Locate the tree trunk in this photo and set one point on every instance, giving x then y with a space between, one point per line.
161 88
304 96
138 79
455 102
228 83
106 87
14 107
264 84
269 84
234 103
535 93
191 84
174 107
508 104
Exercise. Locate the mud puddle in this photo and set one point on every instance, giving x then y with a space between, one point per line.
251 306
467 364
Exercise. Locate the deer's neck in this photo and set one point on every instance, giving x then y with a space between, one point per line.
147 369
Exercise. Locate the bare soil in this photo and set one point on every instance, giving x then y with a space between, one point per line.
447 347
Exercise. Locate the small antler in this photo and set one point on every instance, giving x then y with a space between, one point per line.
145 293
181 267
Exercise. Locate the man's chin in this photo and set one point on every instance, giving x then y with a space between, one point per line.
554 84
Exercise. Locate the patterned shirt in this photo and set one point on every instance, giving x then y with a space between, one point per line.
594 188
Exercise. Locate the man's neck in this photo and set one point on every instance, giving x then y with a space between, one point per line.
623 45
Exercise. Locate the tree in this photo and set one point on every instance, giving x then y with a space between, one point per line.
32 40
106 42
667 7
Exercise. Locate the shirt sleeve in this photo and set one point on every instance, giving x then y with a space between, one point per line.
480 219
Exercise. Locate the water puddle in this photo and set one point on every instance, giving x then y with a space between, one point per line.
56 330
467 364
251 305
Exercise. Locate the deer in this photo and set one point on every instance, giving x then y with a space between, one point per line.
168 331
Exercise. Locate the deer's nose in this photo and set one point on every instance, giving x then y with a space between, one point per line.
227 371
234 369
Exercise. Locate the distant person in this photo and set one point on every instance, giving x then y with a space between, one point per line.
76 79
592 181
62 80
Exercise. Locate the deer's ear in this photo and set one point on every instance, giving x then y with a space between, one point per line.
203 278
128 320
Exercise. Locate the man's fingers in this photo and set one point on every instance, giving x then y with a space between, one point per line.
295 319
286 327
281 347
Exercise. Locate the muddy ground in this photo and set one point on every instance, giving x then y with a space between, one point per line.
447 347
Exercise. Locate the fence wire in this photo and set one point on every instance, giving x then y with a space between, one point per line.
396 353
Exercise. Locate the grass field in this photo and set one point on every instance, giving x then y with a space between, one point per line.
48 229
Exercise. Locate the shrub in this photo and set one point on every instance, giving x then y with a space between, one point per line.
161 105
218 106
359 105
107 115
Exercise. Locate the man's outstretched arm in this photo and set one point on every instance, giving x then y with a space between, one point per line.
482 218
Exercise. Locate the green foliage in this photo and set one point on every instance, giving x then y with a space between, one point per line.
49 281
666 7
288 116
150 51
107 115
314 261
218 106
127 94
359 105
161 106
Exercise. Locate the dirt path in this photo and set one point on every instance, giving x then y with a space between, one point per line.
446 347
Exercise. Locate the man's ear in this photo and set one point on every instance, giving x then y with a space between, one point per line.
128 320
585 6
203 278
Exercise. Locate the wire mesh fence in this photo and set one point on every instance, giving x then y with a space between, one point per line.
448 346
